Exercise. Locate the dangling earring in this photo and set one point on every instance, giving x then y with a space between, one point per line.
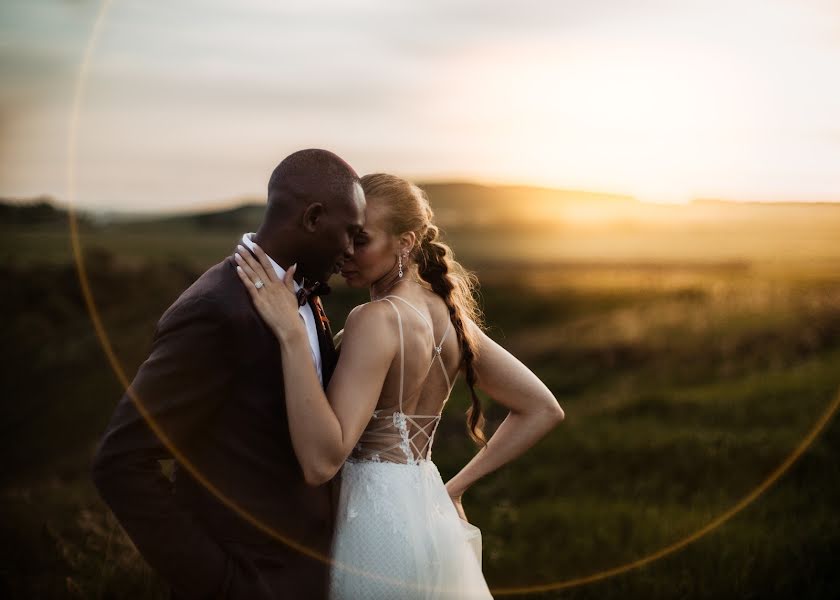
399 257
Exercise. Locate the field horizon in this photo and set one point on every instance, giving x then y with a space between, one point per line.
690 351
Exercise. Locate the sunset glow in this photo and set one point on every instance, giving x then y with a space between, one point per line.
193 103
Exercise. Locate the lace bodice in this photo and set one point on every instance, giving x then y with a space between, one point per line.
392 435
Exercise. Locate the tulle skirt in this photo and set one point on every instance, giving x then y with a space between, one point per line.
398 535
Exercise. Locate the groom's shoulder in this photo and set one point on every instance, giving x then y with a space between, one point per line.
217 290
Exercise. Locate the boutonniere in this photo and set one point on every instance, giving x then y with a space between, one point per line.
322 316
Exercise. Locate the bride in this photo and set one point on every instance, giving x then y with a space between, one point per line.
400 532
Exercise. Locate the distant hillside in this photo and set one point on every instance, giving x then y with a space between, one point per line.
467 206
38 211
244 217
456 205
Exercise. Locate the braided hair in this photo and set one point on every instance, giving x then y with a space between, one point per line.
410 211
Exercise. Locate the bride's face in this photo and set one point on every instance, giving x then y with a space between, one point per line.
375 249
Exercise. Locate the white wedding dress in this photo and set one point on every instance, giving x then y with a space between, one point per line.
398 534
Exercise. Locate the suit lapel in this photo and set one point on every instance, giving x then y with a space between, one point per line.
329 357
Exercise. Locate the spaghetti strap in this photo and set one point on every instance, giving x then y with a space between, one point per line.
397 436
445 376
402 348
438 346
417 310
426 321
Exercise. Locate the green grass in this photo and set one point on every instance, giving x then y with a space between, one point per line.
685 383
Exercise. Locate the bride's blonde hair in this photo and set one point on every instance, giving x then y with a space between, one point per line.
409 210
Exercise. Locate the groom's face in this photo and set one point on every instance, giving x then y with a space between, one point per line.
333 236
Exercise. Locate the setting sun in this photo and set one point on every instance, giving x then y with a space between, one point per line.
605 117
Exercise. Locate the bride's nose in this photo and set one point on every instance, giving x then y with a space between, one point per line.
349 250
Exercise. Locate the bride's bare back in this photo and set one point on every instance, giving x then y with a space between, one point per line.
417 385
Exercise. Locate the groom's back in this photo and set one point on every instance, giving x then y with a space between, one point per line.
213 385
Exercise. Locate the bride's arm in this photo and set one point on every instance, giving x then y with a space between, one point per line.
323 427
533 411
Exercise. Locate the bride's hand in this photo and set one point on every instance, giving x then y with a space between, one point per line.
275 299
459 507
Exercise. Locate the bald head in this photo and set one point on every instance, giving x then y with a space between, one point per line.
309 176
316 207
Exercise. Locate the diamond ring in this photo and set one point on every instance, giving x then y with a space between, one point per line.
258 283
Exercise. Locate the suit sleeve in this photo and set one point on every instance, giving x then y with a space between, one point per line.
181 385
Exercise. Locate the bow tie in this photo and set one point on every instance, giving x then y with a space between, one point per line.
316 289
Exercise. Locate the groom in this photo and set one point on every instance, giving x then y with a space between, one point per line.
213 389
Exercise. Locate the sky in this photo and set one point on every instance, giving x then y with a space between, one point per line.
191 103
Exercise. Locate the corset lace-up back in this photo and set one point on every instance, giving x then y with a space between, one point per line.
392 435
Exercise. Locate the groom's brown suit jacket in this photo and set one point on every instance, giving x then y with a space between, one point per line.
213 384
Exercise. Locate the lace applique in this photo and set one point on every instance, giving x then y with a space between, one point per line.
394 543
372 487
401 424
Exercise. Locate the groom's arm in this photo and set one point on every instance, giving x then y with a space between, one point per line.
180 385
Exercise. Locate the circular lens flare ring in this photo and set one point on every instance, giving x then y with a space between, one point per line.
105 342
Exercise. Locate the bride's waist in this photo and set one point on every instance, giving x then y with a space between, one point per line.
389 461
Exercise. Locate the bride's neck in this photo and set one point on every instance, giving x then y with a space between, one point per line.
392 282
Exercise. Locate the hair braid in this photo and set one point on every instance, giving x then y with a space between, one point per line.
409 210
434 265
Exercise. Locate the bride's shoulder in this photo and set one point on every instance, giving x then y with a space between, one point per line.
370 324
369 314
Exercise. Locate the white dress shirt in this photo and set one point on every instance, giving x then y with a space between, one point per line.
305 310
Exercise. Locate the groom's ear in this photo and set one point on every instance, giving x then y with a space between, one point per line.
312 216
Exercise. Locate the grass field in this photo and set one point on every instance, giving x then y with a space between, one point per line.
690 364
